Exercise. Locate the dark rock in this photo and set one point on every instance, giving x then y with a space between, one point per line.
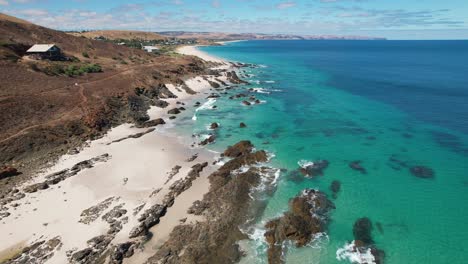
356 165
6 172
172 117
174 111
35 187
81 255
422 172
246 103
209 140
242 125
182 108
152 123
214 126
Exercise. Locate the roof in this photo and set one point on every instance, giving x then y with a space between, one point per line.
41 48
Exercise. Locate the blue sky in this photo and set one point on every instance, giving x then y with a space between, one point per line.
394 19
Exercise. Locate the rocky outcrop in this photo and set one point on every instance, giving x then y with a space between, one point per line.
241 148
137 135
38 252
422 172
233 78
307 216
224 208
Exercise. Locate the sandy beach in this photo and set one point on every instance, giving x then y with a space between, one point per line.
132 169
194 51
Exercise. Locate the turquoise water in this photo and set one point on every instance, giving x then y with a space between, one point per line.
358 100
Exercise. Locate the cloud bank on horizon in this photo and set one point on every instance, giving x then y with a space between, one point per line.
394 19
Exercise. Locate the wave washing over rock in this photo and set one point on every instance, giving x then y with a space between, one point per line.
307 217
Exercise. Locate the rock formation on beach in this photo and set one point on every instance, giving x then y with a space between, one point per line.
224 208
307 216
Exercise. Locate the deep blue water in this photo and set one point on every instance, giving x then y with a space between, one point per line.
389 104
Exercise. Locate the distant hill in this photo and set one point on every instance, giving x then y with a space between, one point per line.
119 34
256 36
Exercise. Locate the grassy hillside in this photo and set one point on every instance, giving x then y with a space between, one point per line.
48 107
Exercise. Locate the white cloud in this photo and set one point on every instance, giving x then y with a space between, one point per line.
216 4
3 2
286 5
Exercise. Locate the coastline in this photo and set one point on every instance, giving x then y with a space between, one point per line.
194 51
128 170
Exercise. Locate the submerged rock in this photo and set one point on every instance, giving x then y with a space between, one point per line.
422 172
335 188
356 165
307 216
362 230
315 168
242 125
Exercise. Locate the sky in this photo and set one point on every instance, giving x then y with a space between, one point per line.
393 19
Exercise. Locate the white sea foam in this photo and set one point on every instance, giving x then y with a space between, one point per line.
352 254
261 90
269 81
207 105
305 163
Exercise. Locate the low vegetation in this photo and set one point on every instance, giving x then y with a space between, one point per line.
69 70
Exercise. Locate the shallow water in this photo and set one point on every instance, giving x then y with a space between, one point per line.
358 100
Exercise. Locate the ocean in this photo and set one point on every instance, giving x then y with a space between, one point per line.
391 105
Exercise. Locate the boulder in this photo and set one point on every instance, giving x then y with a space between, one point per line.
242 125
246 103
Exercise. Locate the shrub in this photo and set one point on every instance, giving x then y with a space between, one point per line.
85 54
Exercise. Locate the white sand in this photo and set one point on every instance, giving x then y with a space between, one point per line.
194 51
145 162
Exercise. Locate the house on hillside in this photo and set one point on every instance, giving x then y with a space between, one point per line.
44 51
150 48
